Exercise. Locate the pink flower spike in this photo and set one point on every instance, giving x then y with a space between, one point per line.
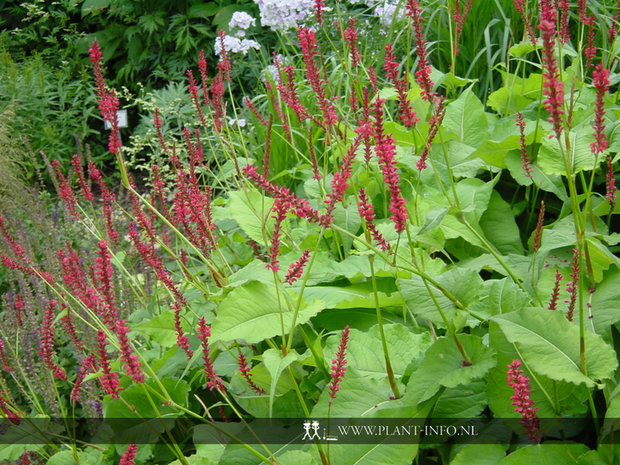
297 268
245 372
611 185
522 402
553 87
573 285
213 379
47 342
526 164
423 74
555 293
368 215
339 365
109 380
129 456
600 78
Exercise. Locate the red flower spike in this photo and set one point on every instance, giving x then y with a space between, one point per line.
555 293
109 380
5 363
193 92
610 184
89 365
213 379
564 8
66 192
435 122
526 164
297 268
280 208
339 365
250 105
307 41
520 7
573 285
522 402
105 276
350 37
553 86
459 17
368 215
76 162
204 80
600 78
386 150
129 456
108 197
19 309
407 115
132 364
245 372
319 7
299 206
423 74
47 342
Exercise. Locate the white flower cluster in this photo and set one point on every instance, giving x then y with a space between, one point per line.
235 45
283 14
389 13
240 22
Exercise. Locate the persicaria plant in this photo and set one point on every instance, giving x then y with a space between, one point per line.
370 237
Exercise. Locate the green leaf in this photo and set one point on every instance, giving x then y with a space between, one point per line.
549 344
276 364
545 454
605 305
251 212
373 454
479 454
355 296
464 284
549 183
552 398
443 366
550 157
465 117
251 313
499 226
161 328
464 401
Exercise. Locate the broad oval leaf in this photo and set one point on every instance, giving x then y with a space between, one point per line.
549 344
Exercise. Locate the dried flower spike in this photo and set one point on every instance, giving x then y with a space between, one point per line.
539 225
526 164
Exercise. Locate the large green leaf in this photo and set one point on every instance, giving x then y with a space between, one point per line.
251 211
252 313
479 454
464 284
547 394
443 366
465 117
549 345
355 296
605 304
550 157
161 328
276 364
545 454
500 227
